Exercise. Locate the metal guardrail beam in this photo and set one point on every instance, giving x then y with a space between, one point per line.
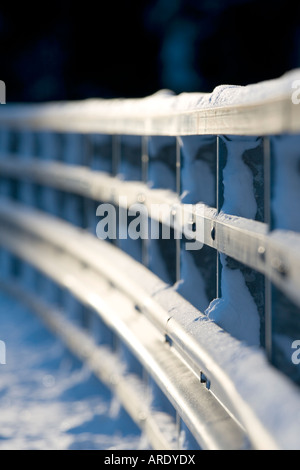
259 109
245 240
234 374
209 422
238 375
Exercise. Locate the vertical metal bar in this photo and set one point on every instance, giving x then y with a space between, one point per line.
6 259
267 181
116 154
73 155
89 215
116 158
218 200
27 193
99 158
218 174
27 197
145 164
145 158
267 217
178 165
178 190
5 146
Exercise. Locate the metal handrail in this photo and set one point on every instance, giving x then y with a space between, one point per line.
226 410
259 109
181 385
246 240
233 386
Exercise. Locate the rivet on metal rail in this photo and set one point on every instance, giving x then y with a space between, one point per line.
213 233
204 380
192 223
279 266
168 340
141 198
262 252
142 416
138 308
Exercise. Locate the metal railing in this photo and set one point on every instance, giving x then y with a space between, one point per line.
205 334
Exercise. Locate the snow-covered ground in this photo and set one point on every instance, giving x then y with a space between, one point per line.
48 399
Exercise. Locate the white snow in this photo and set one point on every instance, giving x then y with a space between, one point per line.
235 311
165 101
197 178
239 197
48 400
87 114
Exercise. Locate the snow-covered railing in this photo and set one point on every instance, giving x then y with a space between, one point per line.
222 289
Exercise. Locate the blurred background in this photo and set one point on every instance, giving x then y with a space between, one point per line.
65 51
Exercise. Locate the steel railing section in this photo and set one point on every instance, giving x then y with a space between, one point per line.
106 365
258 109
234 372
208 420
248 241
227 162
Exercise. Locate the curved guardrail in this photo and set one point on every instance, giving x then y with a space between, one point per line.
211 328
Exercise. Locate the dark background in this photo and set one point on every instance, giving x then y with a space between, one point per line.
65 51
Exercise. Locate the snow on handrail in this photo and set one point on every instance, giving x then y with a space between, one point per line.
264 108
231 153
115 307
237 374
240 238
